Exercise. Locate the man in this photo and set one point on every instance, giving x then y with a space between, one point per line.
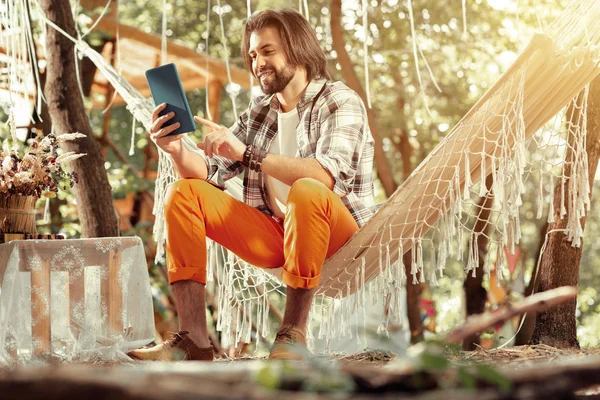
307 153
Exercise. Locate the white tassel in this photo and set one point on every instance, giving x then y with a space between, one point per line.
482 186
132 148
420 267
322 327
466 189
432 266
356 296
441 259
362 283
380 259
401 271
459 240
500 264
413 265
388 268
475 254
470 261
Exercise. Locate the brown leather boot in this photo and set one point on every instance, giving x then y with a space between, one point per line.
178 347
290 344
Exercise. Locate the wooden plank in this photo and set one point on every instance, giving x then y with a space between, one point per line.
112 294
191 58
40 306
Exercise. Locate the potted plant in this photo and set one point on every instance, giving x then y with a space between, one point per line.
26 176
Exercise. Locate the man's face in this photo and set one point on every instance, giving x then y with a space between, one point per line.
269 63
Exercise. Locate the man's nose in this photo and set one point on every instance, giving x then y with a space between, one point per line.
260 62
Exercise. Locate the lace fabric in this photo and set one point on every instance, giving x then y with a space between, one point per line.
73 300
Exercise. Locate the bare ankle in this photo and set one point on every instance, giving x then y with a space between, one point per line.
297 307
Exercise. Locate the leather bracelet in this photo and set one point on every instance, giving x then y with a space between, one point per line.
253 157
256 158
247 155
261 155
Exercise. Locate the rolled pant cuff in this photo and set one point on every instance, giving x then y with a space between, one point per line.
299 282
187 274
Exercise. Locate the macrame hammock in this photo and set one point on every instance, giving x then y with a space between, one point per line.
519 132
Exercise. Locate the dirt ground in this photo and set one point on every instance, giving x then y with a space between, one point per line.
152 380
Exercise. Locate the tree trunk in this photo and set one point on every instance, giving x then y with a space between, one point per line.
384 171
413 302
528 323
560 262
475 293
93 193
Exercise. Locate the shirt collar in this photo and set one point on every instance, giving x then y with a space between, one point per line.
308 96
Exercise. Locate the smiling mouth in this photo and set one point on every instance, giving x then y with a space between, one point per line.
264 75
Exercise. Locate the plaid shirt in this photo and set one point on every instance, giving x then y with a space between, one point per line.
333 129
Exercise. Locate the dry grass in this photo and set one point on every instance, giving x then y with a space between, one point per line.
372 357
521 356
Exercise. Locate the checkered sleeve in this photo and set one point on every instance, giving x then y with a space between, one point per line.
221 169
343 133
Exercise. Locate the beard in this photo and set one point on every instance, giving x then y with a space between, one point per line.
278 79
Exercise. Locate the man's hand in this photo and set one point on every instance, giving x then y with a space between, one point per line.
169 144
221 142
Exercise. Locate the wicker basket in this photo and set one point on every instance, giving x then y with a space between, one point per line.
17 213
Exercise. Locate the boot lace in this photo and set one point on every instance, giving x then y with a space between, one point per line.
286 335
175 339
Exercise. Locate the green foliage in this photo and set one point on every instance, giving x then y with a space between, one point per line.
434 357
426 365
317 376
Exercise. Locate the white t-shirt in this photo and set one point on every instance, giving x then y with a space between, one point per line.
284 144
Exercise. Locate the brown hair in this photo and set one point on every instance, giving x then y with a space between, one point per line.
300 43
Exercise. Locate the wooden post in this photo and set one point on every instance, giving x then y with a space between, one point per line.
40 306
112 294
215 88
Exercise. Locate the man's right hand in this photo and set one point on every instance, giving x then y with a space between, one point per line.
169 144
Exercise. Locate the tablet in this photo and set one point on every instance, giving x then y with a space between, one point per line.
166 87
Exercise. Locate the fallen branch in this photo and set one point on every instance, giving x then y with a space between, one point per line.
535 303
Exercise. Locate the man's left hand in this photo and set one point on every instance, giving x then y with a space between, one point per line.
221 142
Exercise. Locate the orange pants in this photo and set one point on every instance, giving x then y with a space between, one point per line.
315 226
